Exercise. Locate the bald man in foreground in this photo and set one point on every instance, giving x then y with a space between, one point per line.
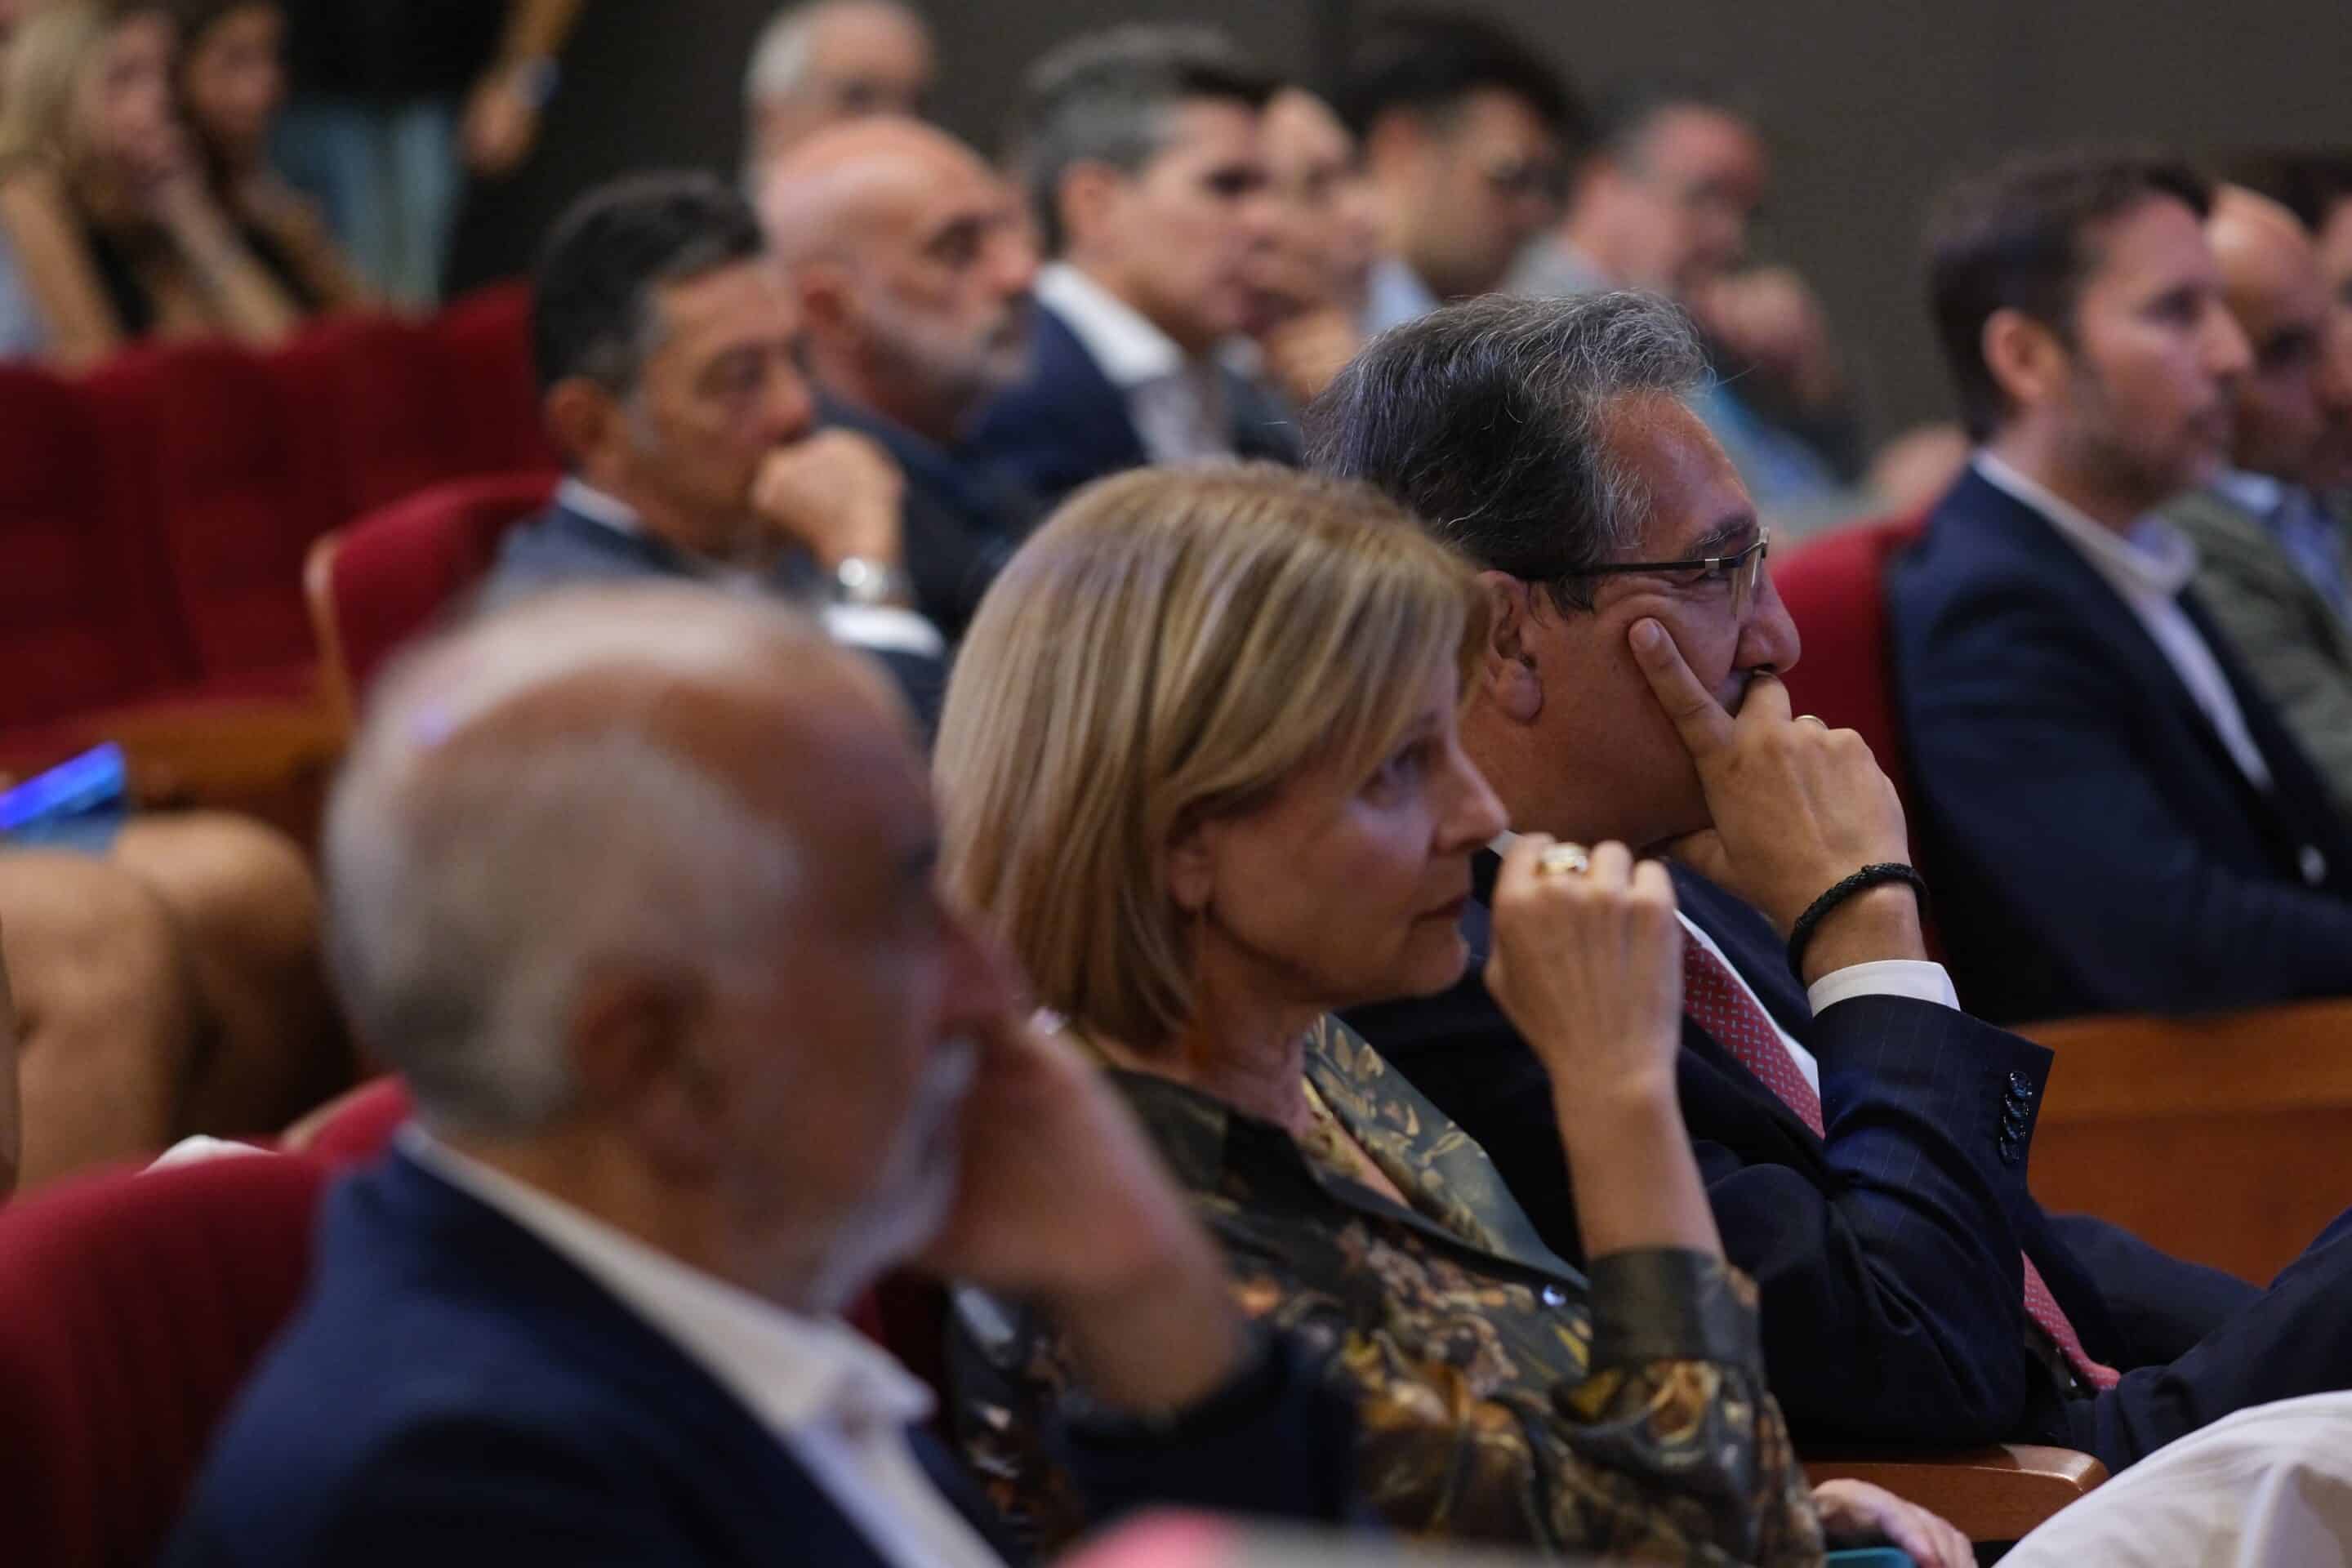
635 888
912 264
2273 557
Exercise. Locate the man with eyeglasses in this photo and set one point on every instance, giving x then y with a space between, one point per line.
1465 132
1666 203
1865 1143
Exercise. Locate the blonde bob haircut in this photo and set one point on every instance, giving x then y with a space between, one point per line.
56 48
1169 649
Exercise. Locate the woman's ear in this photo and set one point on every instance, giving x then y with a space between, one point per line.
1507 674
1193 868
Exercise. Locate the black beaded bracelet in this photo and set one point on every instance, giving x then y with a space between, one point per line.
1800 936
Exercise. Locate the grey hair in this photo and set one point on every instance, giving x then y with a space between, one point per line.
1489 419
475 883
780 59
1108 98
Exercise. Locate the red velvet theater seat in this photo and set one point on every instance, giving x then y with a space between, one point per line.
484 340
1834 588
371 410
131 1309
82 624
385 578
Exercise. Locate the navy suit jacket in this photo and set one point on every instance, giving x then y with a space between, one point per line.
1887 1256
452 1392
560 547
2093 847
1064 424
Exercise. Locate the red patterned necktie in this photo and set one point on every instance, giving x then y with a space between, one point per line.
1720 1002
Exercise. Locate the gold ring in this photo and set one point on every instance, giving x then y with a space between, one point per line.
1563 860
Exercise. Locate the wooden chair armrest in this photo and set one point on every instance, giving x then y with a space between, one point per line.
1990 1494
2257 1059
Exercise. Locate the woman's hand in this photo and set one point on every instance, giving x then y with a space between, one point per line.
1589 967
1854 1513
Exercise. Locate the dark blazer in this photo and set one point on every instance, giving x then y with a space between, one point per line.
1887 1256
1064 424
452 1392
560 547
963 518
2093 847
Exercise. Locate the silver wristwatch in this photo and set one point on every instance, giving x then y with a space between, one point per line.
872 585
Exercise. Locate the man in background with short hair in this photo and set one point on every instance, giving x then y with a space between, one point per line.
1140 149
1467 136
820 62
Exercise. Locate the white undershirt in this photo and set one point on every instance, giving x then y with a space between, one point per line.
1176 403
839 1404
1916 979
2147 569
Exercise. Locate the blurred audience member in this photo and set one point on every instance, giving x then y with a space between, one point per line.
12 15
2272 560
109 231
637 891
395 100
911 262
170 985
1468 135
1911 472
2117 819
1199 768
1308 319
232 84
1665 204
824 61
668 354
1625 689
1141 151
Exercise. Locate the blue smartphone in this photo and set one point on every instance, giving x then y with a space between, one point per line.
98 780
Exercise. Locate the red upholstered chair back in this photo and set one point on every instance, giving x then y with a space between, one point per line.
231 503
361 1125
485 341
371 410
131 1309
385 578
84 622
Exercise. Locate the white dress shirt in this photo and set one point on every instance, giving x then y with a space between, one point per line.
1917 979
2263 1487
1176 403
875 626
2147 569
840 1405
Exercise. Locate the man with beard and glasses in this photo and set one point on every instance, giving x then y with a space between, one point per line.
638 889
2115 818
912 266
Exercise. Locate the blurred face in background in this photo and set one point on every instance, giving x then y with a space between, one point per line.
2291 407
1327 230
1183 239
1469 187
2335 249
233 81
122 127
1675 203
862 60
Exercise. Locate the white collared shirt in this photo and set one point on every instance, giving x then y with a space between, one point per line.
2147 570
872 626
1176 403
1916 979
841 1405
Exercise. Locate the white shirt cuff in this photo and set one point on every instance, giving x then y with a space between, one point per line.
884 628
1914 977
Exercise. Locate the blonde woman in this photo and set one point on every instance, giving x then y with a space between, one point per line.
1199 768
108 231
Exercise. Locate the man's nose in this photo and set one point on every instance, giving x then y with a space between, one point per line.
1770 636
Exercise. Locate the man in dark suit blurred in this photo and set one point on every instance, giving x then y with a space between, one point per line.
1140 150
668 356
911 266
2117 819
1865 1143
637 890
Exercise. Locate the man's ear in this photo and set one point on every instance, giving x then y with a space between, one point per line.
637 1036
823 291
582 415
2028 361
1086 198
1508 676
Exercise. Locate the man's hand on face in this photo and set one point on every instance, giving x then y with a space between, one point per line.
1061 1198
837 494
1796 807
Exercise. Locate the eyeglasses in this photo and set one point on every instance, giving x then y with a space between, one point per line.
1741 572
